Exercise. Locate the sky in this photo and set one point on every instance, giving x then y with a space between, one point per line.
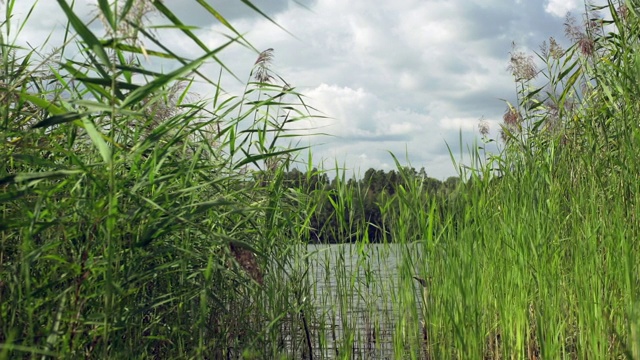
405 76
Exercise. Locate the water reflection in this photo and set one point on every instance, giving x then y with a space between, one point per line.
365 299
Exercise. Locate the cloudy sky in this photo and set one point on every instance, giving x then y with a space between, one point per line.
405 76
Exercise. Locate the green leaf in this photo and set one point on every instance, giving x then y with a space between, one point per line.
98 91
568 87
107 13
58 119
204 206
42 103
567 70
25 177
175 20
125 9
255 158
108 83
144 91
254 8
137 70
112 44
98 141
222 20
530 95
27 349
87 36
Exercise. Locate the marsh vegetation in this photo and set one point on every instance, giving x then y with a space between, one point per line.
141 221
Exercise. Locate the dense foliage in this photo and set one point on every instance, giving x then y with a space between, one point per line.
139 221
372 196
129 224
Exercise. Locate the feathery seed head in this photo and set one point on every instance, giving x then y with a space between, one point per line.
555 50
262 66
512 117
522 66
483 127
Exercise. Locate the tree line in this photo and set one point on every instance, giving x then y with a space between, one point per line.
341 210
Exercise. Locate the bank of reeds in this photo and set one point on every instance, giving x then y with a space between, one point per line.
137 222
536 255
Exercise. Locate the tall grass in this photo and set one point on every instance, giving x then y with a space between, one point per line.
536 255
138 222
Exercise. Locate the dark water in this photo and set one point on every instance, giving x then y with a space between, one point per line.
365 300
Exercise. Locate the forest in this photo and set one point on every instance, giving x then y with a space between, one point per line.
369 193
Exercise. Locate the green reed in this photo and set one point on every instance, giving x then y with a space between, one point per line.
136 222
535 255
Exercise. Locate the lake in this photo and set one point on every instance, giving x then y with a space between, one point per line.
365 300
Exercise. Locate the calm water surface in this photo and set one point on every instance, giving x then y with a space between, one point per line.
360 294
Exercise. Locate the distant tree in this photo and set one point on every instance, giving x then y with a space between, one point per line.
362 214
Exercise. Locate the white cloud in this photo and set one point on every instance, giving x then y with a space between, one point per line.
404 76
560 8
469 124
